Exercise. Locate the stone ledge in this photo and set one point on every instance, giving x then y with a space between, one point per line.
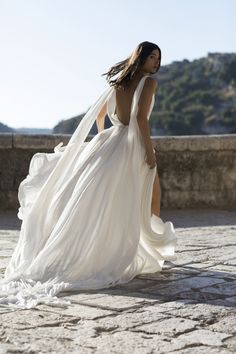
202 175
195 142
162 143
6 140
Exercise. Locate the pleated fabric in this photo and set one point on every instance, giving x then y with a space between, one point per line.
86 214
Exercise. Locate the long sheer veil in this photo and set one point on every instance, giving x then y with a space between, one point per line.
54 168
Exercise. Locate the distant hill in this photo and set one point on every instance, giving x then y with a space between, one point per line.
5 129
193 97
68 126
33 130
197 97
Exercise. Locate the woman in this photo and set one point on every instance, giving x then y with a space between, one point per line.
89 211
144 60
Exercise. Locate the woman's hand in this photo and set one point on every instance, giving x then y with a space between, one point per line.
150 159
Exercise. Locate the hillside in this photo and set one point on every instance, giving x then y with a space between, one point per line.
197 97
68 126
193 97
33 130
5 128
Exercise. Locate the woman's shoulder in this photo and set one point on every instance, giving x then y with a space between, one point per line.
151 84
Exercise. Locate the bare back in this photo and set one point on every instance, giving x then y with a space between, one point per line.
124 102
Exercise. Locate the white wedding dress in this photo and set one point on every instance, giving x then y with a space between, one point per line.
86 214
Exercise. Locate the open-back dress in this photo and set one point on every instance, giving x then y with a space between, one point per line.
86 214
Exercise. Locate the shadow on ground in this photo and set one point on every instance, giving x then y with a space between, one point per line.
181 218
175 283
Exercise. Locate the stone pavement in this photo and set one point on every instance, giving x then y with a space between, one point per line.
189 307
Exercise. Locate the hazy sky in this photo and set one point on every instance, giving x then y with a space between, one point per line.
53 52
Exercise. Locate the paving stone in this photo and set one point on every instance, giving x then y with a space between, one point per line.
231 262
113 302
48 339
78 311
170 326
225 288
201 265
230 343
126 342
200 349
231 300
203 336
177 304
132 319
183 285
188 308
223 268
187 271
222 275
27 319
198 296
164 276
204 313
226 324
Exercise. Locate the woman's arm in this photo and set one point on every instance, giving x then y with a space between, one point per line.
149 88
101 118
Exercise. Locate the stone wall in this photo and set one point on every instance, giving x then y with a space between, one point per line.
195 171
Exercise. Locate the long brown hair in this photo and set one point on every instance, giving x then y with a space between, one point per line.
129 66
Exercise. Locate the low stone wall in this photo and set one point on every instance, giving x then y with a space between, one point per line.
194 171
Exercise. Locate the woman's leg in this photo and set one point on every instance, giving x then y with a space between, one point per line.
156 196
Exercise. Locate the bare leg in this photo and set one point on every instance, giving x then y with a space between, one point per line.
156 196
